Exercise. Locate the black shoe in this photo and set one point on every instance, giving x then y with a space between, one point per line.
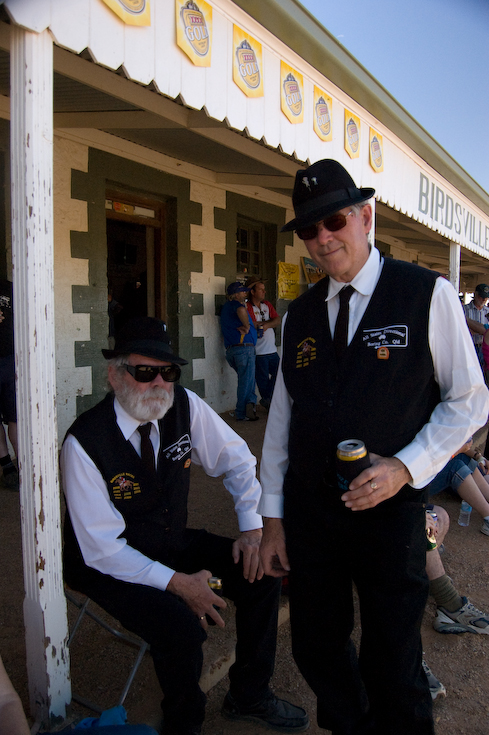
274 713
251 412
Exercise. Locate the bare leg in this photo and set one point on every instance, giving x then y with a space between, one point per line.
12 435
434 564
470 492
3 442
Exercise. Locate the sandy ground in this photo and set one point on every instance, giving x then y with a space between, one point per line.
99 664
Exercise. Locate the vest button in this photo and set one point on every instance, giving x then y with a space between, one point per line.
330 403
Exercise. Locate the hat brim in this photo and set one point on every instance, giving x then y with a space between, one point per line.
315 215
147 348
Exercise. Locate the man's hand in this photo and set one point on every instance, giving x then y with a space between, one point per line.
248 544
272 550
379 482
195 591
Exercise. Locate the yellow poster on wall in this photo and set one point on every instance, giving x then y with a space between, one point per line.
291 93
376 150
323 114
247 63
132 12
352 134
288 281
194 30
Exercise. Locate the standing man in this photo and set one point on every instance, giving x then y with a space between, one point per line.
126 469
265 319
379 369
239 340
476 314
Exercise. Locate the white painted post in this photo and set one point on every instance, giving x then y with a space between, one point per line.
454 266
31 62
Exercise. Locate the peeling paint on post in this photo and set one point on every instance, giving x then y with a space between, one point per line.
31 63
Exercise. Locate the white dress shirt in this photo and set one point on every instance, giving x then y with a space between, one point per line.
464 402
98 524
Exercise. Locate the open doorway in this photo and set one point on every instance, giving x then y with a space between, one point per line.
136 262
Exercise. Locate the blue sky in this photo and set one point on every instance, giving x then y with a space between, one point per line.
433 57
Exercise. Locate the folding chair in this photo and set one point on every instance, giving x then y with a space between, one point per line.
82 604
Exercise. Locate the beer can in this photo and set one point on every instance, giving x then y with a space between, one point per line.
216 586
351 459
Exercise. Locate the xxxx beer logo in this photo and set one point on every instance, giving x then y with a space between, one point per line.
292 95
306 352
195 27
323 118
248 65
124 486
352 133
133 6
376 152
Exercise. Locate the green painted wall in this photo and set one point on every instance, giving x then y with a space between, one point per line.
108 171
273 218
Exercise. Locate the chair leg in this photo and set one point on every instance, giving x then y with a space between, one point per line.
82 605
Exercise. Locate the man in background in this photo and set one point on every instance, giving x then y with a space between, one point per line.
265 319
476 314
239 340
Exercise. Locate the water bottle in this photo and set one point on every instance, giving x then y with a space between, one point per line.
465 511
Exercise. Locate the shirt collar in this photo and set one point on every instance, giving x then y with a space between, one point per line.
127 424
366 279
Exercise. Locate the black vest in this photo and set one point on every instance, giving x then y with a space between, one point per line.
154 508
382 391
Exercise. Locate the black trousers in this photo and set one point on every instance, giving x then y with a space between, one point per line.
174 631
383 690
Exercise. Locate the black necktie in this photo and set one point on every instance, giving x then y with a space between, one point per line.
147 451
340 339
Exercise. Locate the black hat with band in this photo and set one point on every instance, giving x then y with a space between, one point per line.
145 336
323 189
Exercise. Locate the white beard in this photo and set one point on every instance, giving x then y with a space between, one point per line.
149 406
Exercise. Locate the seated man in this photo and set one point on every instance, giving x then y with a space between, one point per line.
127 545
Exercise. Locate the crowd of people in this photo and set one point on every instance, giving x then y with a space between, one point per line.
411 396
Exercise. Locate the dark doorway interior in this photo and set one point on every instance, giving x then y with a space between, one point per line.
135 264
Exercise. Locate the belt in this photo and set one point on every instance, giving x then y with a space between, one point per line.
247 344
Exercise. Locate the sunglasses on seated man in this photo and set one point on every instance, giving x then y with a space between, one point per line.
333 224
147 373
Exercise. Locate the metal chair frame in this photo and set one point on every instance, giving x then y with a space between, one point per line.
82 605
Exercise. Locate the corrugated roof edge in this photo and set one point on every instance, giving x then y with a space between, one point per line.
302 32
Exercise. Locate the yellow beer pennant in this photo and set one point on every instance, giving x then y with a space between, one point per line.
323 115
291 93
376 150
247 63
194 30
131 12
352 134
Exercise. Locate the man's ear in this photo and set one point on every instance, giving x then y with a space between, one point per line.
366 214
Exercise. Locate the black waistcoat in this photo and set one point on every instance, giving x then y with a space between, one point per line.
154 507
382 391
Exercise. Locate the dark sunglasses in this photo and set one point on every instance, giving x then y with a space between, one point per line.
333 224
147 373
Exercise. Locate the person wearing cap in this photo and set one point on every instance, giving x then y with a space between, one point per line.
377 351
476 314
126 468
239 336
265 319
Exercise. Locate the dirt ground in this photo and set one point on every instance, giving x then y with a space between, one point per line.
98 664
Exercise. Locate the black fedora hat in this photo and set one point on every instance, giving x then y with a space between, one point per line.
322 189
145 336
